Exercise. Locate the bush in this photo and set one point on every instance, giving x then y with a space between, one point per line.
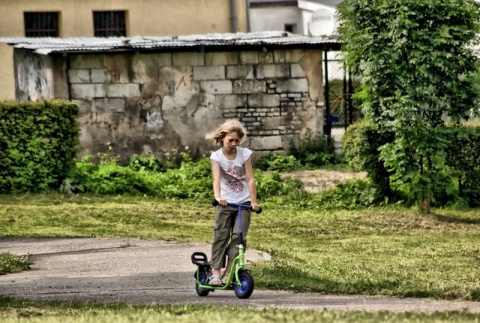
350 195
190 179
361 143
270 184
38 142
149 163
314 152
458 182
463 156
278 162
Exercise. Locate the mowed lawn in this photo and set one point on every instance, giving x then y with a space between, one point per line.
378 251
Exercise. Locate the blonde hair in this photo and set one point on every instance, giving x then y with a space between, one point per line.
224 129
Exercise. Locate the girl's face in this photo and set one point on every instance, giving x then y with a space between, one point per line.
231 141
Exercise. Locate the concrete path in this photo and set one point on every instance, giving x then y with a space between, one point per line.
144 272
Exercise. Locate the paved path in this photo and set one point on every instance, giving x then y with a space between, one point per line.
145 272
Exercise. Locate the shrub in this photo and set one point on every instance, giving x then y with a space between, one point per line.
463 156
350 195
191 179
458 181
270 184
278 162
38 142
314 151
361 143
149 163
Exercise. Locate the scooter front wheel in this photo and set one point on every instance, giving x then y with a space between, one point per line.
245 289
202 279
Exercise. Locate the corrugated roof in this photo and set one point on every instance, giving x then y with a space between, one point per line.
67 45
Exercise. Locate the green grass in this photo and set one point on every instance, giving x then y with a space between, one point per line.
23 311
377 251
92 216
12 264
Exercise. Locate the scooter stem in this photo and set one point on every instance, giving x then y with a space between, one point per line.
241 256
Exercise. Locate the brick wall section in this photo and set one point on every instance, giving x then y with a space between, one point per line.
267 91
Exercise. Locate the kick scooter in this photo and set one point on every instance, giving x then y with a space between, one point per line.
239 278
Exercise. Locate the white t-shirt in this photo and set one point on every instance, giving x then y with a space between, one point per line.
233 178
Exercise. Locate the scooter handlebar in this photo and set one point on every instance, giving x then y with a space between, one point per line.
215 203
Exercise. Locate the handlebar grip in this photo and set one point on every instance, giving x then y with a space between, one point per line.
215 203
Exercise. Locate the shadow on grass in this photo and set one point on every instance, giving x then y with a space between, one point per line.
453 219
285 277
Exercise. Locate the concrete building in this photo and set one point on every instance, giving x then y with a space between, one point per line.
149 95
295 16
112 18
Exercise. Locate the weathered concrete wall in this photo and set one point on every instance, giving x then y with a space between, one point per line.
33 76
156 102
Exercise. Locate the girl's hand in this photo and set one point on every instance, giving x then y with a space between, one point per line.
221 201
255 207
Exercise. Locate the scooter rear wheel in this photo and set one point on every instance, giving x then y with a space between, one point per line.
245 289
202 279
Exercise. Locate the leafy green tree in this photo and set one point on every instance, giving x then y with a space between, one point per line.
417 62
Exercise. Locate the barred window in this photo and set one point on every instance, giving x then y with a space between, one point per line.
41 24
109 24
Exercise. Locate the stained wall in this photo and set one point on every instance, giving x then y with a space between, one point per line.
153 103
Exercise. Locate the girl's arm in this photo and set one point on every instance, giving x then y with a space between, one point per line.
252 187
216 183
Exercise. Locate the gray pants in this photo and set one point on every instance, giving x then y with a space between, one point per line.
225 239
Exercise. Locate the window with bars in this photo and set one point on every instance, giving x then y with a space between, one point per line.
41 24
109 24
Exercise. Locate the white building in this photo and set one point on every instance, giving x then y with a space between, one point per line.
316 17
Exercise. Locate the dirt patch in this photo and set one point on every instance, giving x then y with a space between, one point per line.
319 180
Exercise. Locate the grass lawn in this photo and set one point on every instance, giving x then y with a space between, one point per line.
379 251
14 311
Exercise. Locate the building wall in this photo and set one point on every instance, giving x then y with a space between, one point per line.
156 102
144 18
34 76
275 14
7 80
275 18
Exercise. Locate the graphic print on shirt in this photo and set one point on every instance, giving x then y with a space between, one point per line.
233 177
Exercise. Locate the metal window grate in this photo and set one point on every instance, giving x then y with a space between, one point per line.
341 108
41 24
109 24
